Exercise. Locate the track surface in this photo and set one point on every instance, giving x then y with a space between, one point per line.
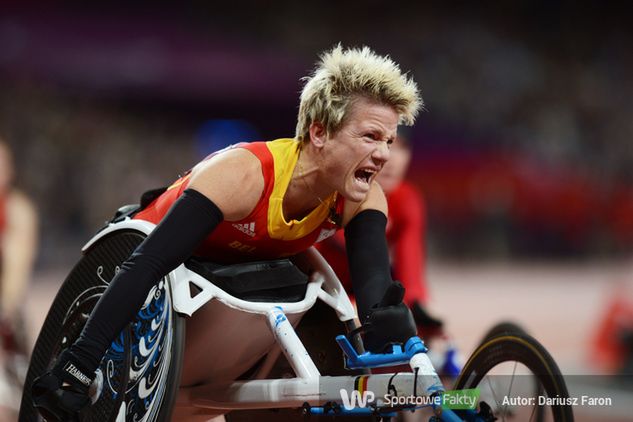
558 304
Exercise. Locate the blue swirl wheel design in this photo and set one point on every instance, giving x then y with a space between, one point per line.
137 379
152 357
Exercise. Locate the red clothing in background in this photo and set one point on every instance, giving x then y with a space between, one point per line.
405 235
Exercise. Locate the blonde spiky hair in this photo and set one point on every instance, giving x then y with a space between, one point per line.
341 76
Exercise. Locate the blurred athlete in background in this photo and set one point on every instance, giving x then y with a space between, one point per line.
405 235
18 243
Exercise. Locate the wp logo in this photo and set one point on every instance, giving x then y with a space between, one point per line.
356 399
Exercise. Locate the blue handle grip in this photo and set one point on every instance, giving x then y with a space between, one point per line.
397 356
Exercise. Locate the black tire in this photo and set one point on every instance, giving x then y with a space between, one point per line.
143 358
513 349
503 327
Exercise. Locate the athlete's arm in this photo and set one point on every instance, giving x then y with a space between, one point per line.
367 251
378 298
216 192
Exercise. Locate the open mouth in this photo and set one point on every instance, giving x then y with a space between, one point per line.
364 175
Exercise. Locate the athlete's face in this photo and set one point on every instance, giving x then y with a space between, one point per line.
358 150
394 171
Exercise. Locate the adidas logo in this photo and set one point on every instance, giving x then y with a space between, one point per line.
246 228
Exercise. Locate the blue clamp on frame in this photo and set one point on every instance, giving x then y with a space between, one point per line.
397 356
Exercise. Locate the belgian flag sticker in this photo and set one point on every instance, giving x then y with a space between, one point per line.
360 384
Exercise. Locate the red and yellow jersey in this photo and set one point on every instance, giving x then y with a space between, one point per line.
264 233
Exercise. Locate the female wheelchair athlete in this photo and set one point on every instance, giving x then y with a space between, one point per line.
156 370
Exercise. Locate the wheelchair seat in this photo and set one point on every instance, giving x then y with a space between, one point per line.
276 280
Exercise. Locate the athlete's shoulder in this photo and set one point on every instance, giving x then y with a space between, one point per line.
233 180
247 163
268 152
290 143
236 155
283 149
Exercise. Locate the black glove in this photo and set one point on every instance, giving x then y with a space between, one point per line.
390 321
63 391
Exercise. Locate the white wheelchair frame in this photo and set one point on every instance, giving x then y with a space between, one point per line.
309 389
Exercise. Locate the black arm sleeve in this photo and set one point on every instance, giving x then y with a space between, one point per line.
368 258
192 217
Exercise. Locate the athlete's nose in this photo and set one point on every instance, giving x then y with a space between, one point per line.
381 153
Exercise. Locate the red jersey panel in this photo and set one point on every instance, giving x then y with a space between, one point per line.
264 233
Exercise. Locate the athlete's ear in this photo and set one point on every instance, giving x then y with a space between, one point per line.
318 134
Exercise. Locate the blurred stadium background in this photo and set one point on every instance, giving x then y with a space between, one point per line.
524 151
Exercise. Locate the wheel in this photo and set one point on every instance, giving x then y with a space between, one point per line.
138 376
506 368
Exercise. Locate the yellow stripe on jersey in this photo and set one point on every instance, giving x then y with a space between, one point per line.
179 182
285 154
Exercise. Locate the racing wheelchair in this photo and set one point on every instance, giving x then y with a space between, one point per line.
208 337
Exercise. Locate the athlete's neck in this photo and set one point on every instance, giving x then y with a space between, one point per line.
305 192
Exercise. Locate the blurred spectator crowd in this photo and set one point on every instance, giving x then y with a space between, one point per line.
524 148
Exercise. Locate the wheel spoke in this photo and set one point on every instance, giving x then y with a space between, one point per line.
494 396
505 408
533 413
